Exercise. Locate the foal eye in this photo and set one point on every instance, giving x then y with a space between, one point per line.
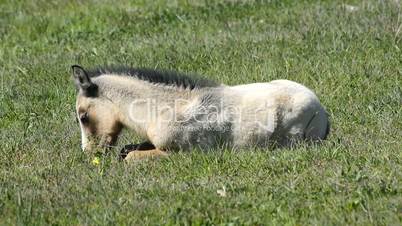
84 118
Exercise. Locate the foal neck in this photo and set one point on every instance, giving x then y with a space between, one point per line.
125 88
134 97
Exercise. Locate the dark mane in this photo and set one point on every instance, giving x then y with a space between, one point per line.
155 76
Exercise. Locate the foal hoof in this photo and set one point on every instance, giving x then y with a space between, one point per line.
135 147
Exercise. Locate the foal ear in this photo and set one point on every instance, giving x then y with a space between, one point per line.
83 81
81 77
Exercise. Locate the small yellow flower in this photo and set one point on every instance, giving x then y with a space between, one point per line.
95 161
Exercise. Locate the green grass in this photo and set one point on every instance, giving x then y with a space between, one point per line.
351 59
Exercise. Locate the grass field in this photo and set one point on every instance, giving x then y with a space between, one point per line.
348 52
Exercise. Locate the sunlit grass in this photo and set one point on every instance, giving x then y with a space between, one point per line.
350 56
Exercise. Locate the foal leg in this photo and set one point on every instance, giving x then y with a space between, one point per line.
149 154
140 151
145 146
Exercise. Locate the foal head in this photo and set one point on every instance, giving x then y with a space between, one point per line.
98 116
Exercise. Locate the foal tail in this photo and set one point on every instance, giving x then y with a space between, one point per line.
318 127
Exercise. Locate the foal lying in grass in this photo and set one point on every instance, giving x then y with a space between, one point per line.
172 111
